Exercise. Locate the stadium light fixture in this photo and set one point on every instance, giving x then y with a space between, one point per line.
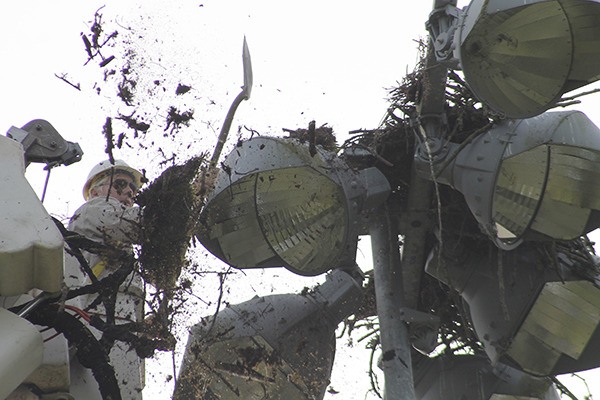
279 202
473 377
543 319
520 57
274 347
535 178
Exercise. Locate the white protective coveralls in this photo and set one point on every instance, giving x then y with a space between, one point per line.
106 220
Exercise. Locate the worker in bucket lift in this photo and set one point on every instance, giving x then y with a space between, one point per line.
109 216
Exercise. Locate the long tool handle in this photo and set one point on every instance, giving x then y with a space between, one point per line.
244 95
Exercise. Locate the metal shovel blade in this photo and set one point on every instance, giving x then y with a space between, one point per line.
247 89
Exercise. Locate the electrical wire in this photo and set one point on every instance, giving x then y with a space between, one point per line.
83 314
49 168
90 352
52 337
79 314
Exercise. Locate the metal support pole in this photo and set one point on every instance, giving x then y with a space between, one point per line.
391 271
396 360
415 222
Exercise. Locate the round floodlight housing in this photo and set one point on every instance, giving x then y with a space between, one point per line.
520 57
274 347
473 377
277 202
541 318
536 177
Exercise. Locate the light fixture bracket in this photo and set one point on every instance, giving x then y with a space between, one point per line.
442 25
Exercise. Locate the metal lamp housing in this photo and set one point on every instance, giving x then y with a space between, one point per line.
534 177
541 319
519 57
473 378
275 347
277 202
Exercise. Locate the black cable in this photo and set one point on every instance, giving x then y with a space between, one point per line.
75 250
49 168
90 352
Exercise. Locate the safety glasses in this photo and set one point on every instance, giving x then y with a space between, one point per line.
121 184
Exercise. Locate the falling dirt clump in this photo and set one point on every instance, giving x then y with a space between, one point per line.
182 89
176 118
170 213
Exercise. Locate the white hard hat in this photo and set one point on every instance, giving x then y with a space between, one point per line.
106 166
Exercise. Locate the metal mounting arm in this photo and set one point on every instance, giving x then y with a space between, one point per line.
43 144
441 25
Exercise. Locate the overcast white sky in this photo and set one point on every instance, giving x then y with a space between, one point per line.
328 61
